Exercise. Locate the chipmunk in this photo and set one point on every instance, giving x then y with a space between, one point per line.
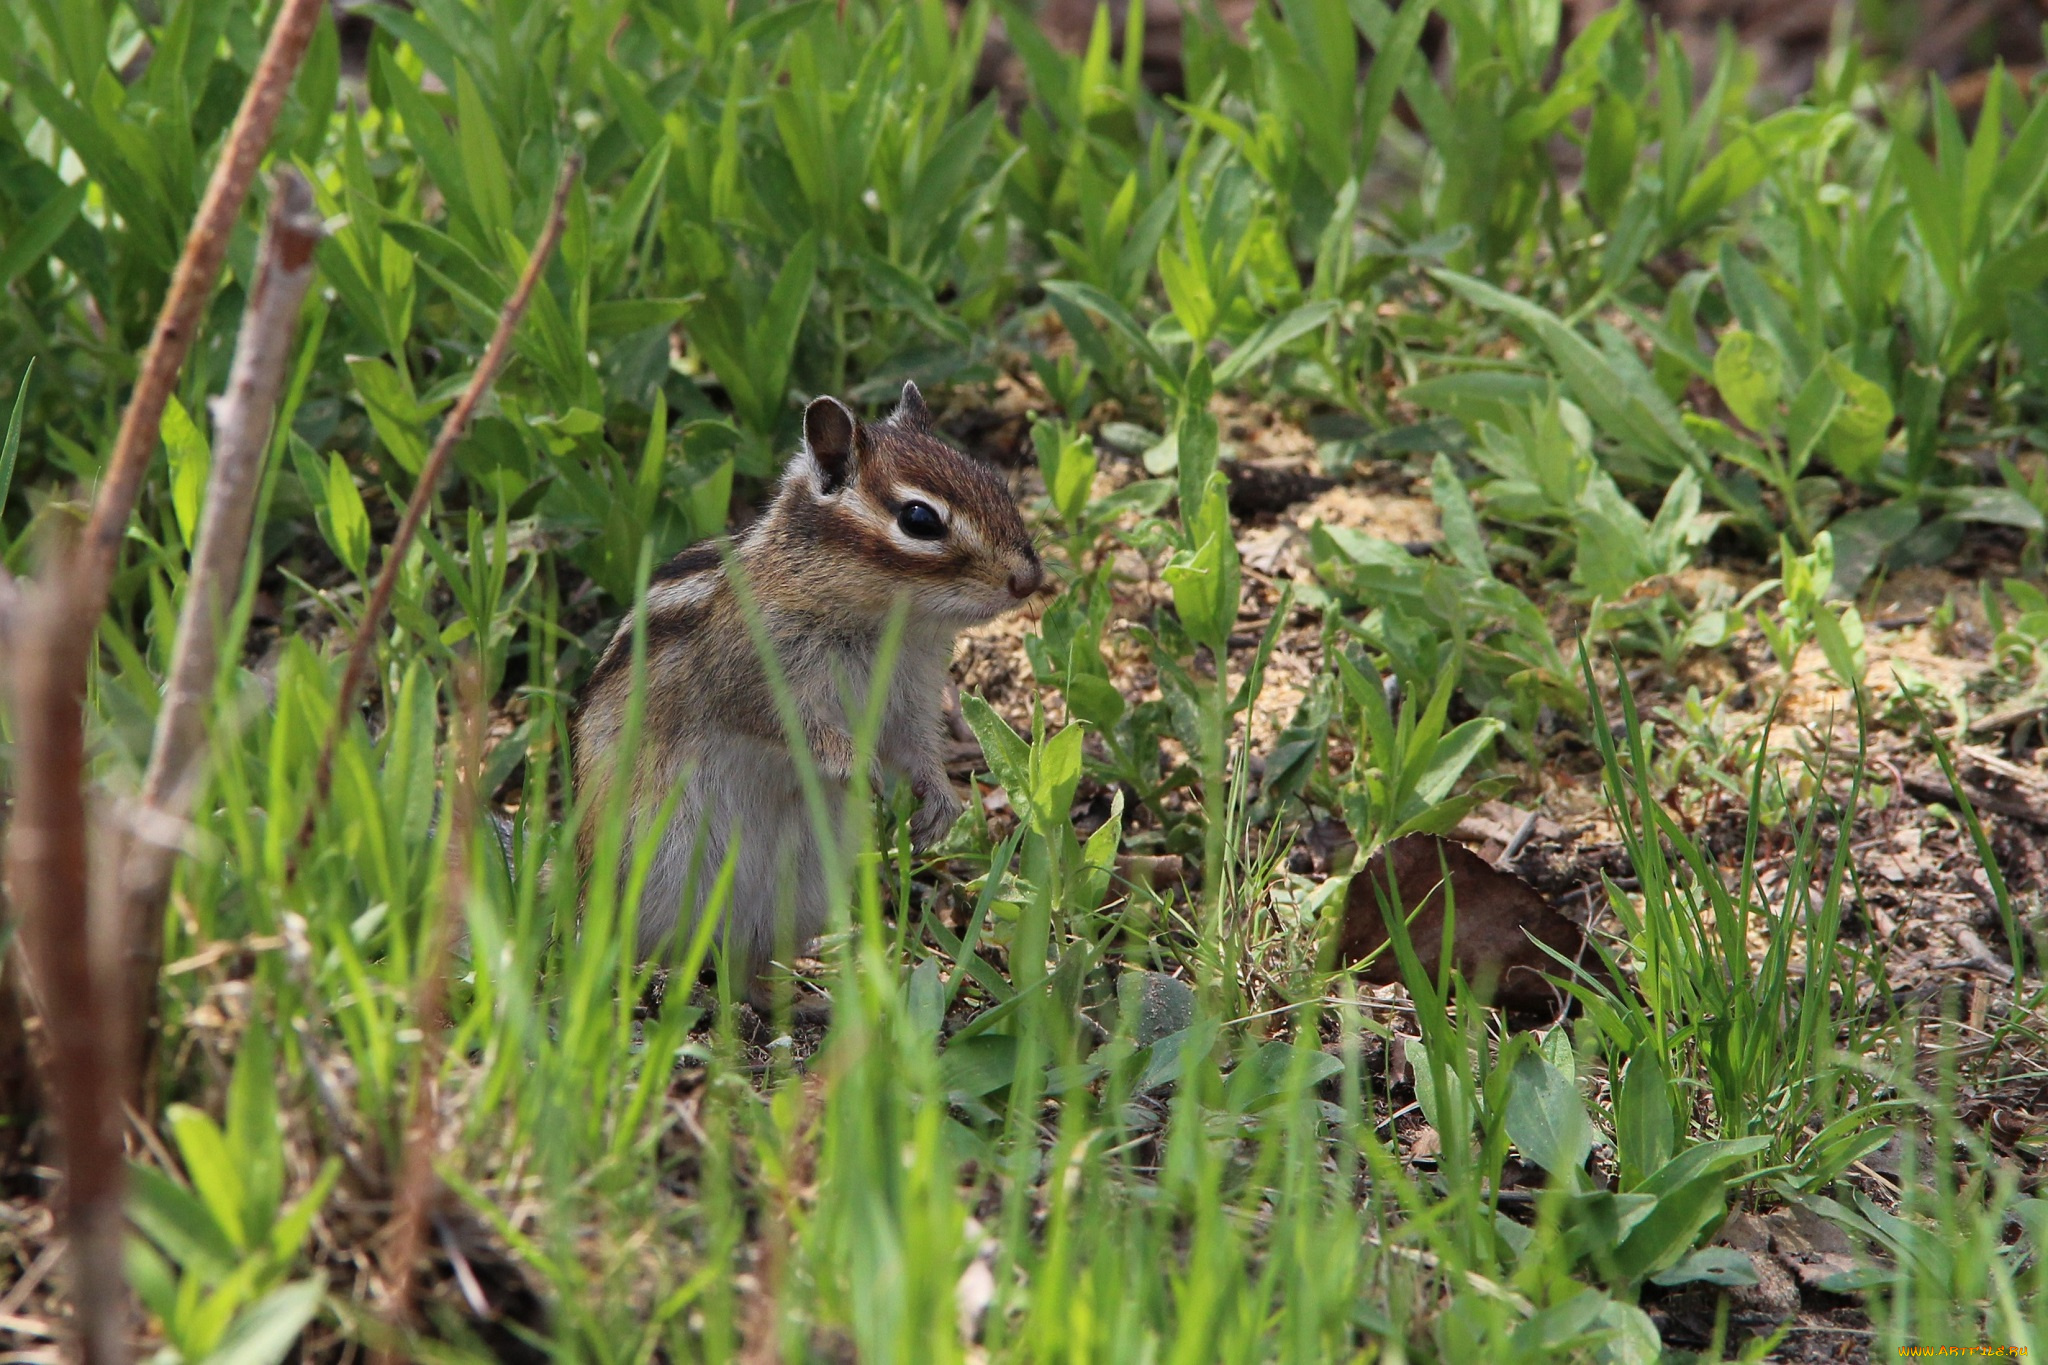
865 517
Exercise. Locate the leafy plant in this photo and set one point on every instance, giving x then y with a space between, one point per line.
213 1260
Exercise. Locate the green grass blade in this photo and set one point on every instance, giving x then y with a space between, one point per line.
12 443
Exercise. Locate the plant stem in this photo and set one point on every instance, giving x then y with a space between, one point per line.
1216 816
247 411
47 854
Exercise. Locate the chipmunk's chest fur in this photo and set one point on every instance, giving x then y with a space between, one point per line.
713 736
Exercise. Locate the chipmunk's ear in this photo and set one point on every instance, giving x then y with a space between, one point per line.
911 411
830 434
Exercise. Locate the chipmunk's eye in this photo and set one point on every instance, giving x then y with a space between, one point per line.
921 521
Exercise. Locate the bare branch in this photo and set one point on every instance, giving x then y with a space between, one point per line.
206 247
47 865
495 354
243 419
9 594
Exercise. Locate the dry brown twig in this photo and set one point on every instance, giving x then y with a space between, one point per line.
68 964
365 643
206 247
242 436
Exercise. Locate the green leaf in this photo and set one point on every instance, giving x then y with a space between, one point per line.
1451 755
1643 1129
619 317
395 414
154 1281
191 460
1844 653
1007 753
348 520
1394 55
944 175
484 170
1425 1084
252 1134
1935 211
1690 1190
1734 171
1762 311
11 443
428 133
629 209
1067 461
1613 553
288 1233
1460 522
1750 374
1055 774
1186 291
1612 142
1094 699
1723 1266
213 1171
1546 1118
1993 506
32 242
1639 417
1863 538
1098 860
1811 414
469 279
1177 1051
1263 344
1856 437
265 1332
1703 1158
771 338
710 500
174 1219
1205 580
924 999
1195 445
979 1065
1266 1073
1087 296
1153 1004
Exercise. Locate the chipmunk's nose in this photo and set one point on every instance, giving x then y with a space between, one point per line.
1026 582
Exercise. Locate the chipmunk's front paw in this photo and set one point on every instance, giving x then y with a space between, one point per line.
935 816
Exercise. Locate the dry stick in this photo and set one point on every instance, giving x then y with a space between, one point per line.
47 853
206 247
242 421
8 594
495 354
17 1072
413 1201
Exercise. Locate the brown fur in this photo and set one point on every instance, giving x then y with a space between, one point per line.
825 567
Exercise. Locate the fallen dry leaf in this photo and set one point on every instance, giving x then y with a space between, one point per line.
1497 915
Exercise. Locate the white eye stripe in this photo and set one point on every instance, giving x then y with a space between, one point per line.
858 502
904 493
